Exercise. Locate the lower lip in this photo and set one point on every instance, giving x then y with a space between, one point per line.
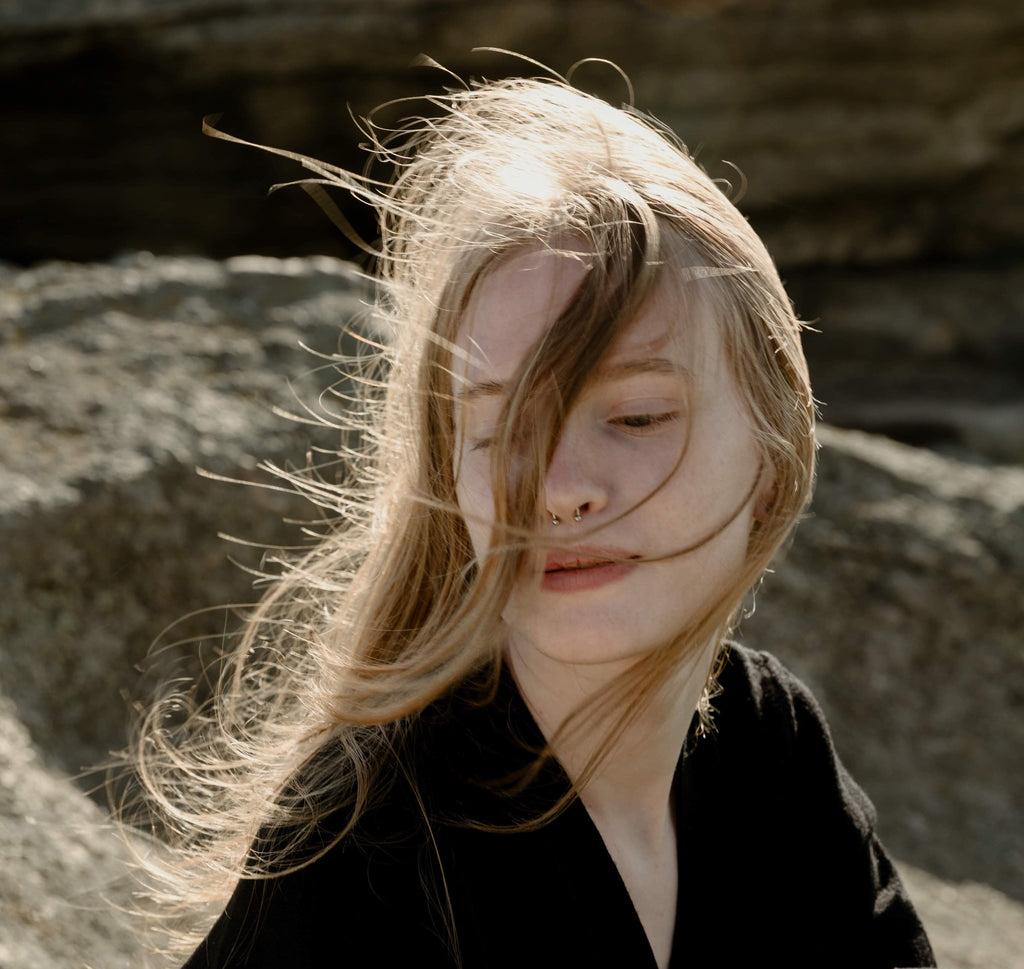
580 580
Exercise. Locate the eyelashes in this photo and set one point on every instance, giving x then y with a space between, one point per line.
645 423
634 424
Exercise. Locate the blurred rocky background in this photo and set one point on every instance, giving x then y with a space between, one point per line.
884 149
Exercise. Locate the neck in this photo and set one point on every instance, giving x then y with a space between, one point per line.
632 783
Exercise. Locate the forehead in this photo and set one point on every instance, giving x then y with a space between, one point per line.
512 307
516 302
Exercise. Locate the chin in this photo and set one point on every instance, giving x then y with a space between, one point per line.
579 646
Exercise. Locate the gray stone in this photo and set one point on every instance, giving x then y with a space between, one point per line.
971 926
930 355
866 132
898 601
64 881
116 383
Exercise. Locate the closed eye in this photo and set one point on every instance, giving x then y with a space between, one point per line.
645 422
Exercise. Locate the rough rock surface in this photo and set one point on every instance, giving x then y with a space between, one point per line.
899 601
869 131
971 926
929 355
117 382
881 147
63 880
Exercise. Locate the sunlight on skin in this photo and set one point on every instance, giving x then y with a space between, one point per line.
580 615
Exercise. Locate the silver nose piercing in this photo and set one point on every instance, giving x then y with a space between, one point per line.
578 516
555 520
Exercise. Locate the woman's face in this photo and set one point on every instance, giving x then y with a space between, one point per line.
616 467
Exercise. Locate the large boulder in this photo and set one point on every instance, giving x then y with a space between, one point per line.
929 355
64 883
898 600
117 382
868 131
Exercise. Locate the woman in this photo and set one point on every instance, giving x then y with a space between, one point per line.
492 719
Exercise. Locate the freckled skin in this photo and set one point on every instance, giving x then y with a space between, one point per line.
622 440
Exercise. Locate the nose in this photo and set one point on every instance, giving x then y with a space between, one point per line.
576 484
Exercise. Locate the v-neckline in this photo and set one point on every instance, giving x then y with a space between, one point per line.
509 735
614 876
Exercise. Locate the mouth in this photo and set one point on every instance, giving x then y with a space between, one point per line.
585 568
583 559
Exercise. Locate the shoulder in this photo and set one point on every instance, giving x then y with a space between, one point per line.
371 901
760 682
799 854
768 720
755 688
341 893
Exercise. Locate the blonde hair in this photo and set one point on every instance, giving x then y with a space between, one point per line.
390 609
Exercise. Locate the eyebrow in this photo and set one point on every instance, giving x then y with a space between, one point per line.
614 371
630 368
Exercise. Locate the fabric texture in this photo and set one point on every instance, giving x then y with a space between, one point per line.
779 862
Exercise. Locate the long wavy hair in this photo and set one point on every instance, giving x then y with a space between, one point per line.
391 609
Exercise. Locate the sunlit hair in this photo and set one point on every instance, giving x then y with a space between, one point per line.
391 610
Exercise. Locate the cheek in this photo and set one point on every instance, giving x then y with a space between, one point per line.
710 498
476 502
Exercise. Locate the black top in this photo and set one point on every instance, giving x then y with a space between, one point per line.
778 859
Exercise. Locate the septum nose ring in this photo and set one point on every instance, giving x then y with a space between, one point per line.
577 517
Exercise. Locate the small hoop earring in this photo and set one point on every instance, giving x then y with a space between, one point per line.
578 517
555 520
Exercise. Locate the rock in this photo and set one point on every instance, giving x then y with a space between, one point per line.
117 381
899 602
64 883
929 355
867 133
880 146
971 926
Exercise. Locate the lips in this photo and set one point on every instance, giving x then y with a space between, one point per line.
585 568
574 561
